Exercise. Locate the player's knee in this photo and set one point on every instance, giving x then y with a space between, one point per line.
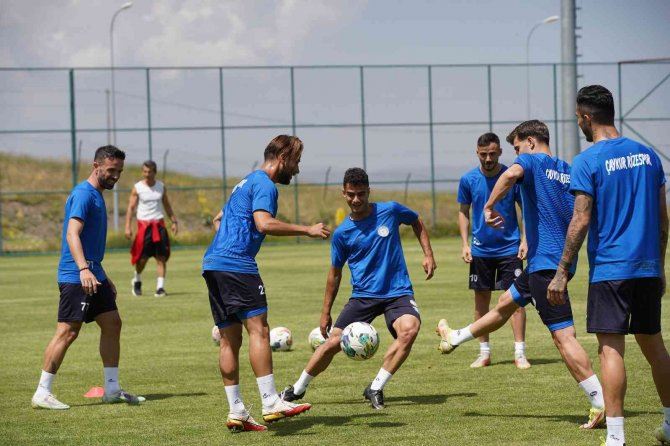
408 332
68 335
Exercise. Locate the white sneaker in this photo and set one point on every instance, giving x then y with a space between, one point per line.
122 397
521 362
483 360
283 409
47 401
443 330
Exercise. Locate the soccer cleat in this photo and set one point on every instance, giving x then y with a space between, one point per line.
603 442
283 409
376 397
443 331
47 401
521 362
160 292
243 423
137 287
481 361
122 397
596 419
662 435
289 395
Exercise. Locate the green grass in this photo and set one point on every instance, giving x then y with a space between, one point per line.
168 356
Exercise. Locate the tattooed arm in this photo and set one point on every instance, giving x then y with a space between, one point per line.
579 226
663 218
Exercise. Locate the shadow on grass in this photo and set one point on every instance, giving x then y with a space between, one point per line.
574 419
297 425
533 361
410 399
149 397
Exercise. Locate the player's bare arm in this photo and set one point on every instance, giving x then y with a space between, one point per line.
579 226
332 287
523 245
663 218
168 209
267 224
464 229
88 279
421 232
506 181
217 220
132 207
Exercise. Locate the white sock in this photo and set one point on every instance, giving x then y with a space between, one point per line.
301 384
235 402
266 387
484 349
160 282
457 337
594 391
519 348
137 277
111 380
380 380
46 380
666 422
615 436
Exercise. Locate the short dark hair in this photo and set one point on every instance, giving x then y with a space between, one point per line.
536 129
151 164
110 152
283 144
487 139
598 102
355 176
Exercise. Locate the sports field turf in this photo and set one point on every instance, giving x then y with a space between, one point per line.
167 355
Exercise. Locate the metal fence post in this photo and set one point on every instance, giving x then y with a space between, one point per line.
558 146
151 152
223 137
432 145
362 81
73 131
620 100
293 126
488 82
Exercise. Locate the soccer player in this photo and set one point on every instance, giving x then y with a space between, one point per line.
547 208
619 188
236 291
150 199
86 293
369 240
495 256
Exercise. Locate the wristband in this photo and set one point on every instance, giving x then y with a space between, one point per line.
84 268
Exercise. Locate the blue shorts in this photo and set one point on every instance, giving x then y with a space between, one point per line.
76 306
367 309
234 297
532 288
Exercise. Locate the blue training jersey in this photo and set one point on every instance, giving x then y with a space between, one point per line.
547 208
474 189
237 241
373 250
85 203
624 178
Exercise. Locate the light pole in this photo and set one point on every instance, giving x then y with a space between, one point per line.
111 63
550 19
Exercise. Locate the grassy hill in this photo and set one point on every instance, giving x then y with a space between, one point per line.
34 193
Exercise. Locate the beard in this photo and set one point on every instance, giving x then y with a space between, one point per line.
284 177
106 183
588 133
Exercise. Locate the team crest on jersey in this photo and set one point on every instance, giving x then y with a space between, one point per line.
383 231
517 272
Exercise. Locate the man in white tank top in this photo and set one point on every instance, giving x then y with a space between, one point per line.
149 198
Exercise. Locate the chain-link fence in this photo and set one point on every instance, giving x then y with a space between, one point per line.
413 128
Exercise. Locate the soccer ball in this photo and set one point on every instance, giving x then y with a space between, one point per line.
359 341
281 339
216 335
315 339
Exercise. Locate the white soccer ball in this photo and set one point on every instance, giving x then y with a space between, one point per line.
359 341
216 335
281 339
315 339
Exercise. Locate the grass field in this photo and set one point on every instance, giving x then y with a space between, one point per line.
167 355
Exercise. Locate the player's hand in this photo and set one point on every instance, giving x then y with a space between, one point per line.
523 250
325 324
129 233
174 227
429 266
494 219
557 287
318 230
466 254
89 282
